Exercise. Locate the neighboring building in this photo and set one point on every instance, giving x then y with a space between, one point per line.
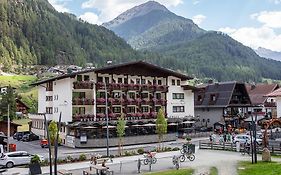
276 94
136 89
262 105
4 127
226 103
22 108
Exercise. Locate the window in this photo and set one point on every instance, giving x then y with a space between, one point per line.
178 108
49 98
49 110
49 86
173 82
157 108
120 80
79 77
131 109
132 95
159 82
125 80
143 81
116 109
158 96
144 109
199 98
99 79
86 78
100 110
178 95
144 95
79 110
100 94
178 82
56 109
213 97
137 81
106 79
116 94
79 95
56 97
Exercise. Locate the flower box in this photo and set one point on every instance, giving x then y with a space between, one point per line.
100 101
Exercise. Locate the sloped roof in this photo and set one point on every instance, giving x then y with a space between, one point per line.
276 93
223 92
258 92
134 68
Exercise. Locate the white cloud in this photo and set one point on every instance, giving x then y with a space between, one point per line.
198 19
109 9
255 37
60 5
269 18
275 1
195 2
90 17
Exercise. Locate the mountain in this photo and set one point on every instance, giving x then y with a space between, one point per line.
152 24
33 32
267 53
182 45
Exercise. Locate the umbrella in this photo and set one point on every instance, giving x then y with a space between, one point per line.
109 126
172 124
149 124
89 127
189 122
137 125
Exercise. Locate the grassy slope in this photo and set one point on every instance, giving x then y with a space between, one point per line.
174 172
261 168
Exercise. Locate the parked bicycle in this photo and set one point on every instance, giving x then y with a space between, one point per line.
150 156
187 155
247 149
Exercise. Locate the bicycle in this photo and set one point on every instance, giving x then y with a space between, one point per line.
188 155
247 149
150 156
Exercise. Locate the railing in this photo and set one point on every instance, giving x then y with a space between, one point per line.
133 87
83 117
83 85
83 101
100 101
269 104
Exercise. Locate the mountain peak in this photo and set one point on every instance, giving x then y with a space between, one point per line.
136 11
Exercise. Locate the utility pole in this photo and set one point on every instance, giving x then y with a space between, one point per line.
8 134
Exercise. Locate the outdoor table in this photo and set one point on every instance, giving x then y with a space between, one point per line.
98 168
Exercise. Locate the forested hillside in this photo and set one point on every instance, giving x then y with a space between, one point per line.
33 32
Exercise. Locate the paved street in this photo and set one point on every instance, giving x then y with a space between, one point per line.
223 160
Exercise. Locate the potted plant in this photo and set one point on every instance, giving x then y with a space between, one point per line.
34 166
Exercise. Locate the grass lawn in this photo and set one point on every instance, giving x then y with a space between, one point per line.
24 123
261 168
214 171
17 81
173 172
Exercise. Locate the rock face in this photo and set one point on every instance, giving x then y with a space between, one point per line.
266 155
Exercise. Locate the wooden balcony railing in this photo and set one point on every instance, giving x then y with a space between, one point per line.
83 101
83 85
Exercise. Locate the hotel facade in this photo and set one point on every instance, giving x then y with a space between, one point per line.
136 89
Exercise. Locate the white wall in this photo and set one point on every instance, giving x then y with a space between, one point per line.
63 89
42 98
278 103
187 102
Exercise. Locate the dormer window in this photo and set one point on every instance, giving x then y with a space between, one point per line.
213 97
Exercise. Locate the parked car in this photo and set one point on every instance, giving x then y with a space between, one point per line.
30 137
245 138
12 159
18 135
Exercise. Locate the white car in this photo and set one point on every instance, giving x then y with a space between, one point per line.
16 158
245 138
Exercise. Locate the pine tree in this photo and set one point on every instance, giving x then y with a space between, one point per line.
8 99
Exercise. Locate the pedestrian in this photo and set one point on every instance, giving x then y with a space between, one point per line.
103 172
224 137
211 138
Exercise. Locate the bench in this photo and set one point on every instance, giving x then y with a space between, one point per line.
64 172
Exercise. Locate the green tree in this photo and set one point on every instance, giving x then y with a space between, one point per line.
161 126
120 132
53 130
8 98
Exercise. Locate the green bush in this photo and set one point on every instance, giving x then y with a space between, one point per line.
127 153
140 151
188 139
35 159
175 149
82 157
44 162
69 158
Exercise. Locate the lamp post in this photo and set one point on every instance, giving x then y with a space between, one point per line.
8 133
106 115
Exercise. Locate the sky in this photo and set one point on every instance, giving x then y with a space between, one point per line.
255 23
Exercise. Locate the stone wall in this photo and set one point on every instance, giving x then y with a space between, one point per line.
134 140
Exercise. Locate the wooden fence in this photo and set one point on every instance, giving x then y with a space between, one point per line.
227 146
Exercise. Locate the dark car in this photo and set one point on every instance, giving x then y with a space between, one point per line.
18 135
30 137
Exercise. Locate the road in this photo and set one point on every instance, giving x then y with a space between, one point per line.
205 159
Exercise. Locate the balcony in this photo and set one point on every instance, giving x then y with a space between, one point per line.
83 101
83 85
270 104
100 85
116 101
161 88
161 102
133 87
100 101
131 101
83 117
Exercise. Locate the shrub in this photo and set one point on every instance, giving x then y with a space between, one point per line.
69 159
140 151
176 149
188 139
35 159
44 162
127 153
82 157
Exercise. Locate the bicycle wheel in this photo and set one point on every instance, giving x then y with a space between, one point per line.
145 161
182 151
191 157
182 158
153 160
